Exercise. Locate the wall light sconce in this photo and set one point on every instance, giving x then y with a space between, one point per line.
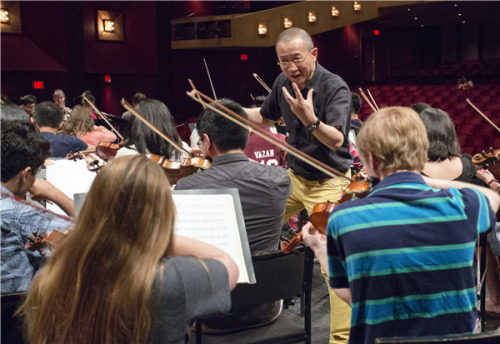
357 6
4 16
262 29
10 17
109 25
311 17
335 11
287 23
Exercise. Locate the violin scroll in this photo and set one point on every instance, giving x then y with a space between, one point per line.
483 158
37 241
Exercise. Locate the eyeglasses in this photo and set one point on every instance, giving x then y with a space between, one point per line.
297 61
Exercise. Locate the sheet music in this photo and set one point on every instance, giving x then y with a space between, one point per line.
215 223
71 177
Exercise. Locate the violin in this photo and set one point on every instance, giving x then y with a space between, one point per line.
177 169
359 188
38 242
484 159
107 150
488 161
94 163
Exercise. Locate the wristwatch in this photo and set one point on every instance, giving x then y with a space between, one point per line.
314 126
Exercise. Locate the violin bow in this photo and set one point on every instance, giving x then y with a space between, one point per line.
482 114
243 122
367 100
373 100
194 88
134 112
261 82
209 78
96 110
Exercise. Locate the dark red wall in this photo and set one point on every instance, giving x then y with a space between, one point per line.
59 46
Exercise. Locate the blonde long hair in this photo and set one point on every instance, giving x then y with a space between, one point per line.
79 122
95 288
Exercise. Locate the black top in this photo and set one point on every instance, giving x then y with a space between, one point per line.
332 105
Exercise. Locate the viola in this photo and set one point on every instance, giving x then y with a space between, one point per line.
38 242
359 188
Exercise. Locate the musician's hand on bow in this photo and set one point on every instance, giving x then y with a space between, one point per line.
312 237
196 152
302 108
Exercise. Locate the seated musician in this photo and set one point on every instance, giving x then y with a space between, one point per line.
464 84
141 139
122 276
138 97
263 191
81 125
24 151
262 151
402 256
444 160
27 103
48 117
60 99
12 111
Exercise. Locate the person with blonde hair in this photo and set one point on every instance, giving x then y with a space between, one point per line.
402 256
81 125
122 276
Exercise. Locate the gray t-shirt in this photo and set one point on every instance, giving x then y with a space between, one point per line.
186 288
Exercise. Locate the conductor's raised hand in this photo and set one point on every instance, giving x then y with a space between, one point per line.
302 108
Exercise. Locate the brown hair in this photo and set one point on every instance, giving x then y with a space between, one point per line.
397 137
95 288
79 122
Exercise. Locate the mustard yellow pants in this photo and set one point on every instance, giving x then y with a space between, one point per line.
306 194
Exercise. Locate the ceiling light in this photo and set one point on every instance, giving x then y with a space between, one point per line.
335 11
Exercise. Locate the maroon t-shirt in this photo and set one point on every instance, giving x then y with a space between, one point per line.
264 152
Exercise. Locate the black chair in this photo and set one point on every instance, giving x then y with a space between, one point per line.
12 331
279 276
489 337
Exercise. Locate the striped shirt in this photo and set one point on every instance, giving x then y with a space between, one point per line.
406 253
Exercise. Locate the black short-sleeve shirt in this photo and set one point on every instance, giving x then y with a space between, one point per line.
332 105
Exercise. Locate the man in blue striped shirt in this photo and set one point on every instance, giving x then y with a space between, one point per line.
402 256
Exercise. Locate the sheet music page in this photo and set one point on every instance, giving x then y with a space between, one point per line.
215 223
71 177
